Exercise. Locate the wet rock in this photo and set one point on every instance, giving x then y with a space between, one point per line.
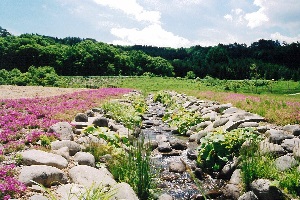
100 122
37 157
277 136
42 174
73 146
164 147
248 196
123 191
199 173
178 144
89 176
289 144
192 154
84 158
81 117
285 162
263 189
293 129
63 129
177 167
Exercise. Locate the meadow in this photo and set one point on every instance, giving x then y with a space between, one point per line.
277 101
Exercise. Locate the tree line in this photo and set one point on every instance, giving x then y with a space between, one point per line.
73 56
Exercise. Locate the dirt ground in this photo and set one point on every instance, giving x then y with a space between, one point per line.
16 92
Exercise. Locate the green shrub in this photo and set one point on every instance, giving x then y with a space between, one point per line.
218 147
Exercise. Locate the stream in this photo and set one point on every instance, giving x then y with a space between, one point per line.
177 151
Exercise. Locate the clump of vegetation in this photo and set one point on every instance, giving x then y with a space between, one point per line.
218 147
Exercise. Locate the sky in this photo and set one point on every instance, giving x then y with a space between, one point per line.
162 23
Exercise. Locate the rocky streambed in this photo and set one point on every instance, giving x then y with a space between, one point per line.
173 156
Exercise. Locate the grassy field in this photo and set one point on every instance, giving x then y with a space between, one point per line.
277 101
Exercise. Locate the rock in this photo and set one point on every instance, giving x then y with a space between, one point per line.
90 139
90 113
289 144
100 122
63 129
153 144
177 167
296 152
38 197
42 174
178 144
192 154
161 138
236 177
98 110
84 158
285 162
248 196
232 191
293 129
199 173
266 147
228 169
231 110
164 147
220 122
212 116
123 191
37 157
89 176
73 146
64 152
248 124
169 176
165 197
71 191
81 117
263 189
277 136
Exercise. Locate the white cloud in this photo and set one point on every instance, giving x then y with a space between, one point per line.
131 7
258 18
282 38
228 17
153 35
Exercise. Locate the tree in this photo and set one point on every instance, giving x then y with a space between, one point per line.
4 32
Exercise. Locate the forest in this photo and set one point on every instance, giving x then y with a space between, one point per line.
73 56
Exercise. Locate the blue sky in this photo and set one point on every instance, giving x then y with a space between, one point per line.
168 23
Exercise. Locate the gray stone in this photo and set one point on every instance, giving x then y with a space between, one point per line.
289 144
293 129
164 147
63 129
90 113
192 154
296 152
178 144
165 197
231 110
232 191
37 157
81 117
177 167
89 176
271 148
248 196
212 116
228 169
42 174
236 177
84 158
263 189
277 136
64 152
161 138
285 162
123 191
73 146
100 122
248 124
38 197
220 122
71 191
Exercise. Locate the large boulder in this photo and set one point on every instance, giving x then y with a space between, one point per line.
84 158
42 174
123 191
89 176
285 162
63 129
37 157
177 167
263 189
73 146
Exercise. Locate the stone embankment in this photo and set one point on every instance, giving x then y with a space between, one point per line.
70 172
